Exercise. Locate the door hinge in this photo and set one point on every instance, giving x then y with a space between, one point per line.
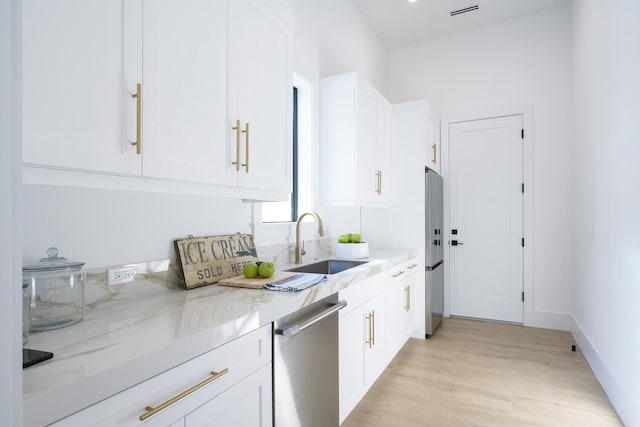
523 187
522 133
523 296
523 242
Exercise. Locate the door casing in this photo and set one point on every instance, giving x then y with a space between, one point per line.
527 173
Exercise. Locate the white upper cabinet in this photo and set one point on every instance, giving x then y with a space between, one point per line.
260 96
200 67
185 90
81 63
355 147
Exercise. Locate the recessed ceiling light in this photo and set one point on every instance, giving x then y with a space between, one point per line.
412 1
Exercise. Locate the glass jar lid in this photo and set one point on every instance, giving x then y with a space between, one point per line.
53 262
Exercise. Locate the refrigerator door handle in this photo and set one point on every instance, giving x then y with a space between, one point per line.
433 267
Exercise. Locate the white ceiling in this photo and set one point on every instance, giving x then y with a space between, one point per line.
398 22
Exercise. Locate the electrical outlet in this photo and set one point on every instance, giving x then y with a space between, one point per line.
118 275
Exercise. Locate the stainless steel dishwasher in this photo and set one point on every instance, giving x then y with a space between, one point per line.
305 366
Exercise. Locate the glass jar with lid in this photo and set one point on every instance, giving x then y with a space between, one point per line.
57 291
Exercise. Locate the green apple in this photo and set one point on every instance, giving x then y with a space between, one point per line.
343 238
266 269
355 238
250 271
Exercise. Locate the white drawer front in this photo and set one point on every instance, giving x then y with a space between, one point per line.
241 357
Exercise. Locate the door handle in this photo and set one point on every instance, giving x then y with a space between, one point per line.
456 243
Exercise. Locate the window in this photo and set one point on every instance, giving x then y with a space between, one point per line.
300 199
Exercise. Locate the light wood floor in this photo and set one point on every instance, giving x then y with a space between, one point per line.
474 373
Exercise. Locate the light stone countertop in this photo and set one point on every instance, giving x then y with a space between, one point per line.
132 332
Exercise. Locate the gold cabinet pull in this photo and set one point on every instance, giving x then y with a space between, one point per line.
407 298
398 273
412 266
369 318
373 328
434 146
138 98
378 182
237 129
151 410
246 147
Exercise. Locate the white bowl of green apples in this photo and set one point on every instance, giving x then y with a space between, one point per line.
351 246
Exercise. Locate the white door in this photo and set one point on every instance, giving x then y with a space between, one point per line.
486 208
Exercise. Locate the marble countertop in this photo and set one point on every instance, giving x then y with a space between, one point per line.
135 331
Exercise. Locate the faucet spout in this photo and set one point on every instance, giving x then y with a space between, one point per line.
300 249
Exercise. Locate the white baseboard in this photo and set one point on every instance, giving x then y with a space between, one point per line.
550 320
627 409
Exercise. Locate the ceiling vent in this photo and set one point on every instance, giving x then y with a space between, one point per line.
465 10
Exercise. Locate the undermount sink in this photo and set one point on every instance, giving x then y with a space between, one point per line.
330 266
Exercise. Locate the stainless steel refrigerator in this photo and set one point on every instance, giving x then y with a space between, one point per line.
434 264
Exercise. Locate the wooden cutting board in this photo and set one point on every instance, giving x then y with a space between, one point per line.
256 283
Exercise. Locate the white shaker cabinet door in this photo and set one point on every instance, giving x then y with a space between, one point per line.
362 344
433 143
351 360
383 151
247 403
81 63
185 91
365 163
260 96
355 144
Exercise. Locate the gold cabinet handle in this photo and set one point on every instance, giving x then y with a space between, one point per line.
369 318
373 328
378 182
151 410
434 146
398 273
407 298
237 129
412 266
138 98
246 147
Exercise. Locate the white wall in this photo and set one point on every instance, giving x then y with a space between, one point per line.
10 222
606 233
525 61
330 37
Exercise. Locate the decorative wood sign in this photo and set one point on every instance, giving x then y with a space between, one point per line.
206 260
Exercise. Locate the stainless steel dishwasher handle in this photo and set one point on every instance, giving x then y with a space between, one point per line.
294 330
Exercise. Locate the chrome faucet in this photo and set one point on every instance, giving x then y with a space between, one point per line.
300 250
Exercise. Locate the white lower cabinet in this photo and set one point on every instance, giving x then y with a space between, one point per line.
401 321
374 326
229 385
362 352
